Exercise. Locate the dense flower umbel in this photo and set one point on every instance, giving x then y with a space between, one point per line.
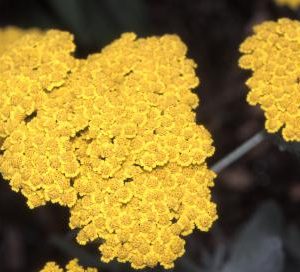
72 266
273 54
117 143
293 4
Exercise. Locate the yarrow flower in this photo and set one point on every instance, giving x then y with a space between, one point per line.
273 55
113 138
72 266
293 4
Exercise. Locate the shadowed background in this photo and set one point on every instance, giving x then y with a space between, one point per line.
258 197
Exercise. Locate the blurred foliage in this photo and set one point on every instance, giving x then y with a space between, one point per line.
293 147
258 246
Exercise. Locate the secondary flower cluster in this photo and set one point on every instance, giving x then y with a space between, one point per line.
273 54
293 4
72 266
112 137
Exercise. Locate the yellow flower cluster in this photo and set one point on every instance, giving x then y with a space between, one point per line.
34 65
273 54
293 4
116 141
9 35
72 266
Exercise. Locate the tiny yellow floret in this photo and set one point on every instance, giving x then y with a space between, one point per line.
72 266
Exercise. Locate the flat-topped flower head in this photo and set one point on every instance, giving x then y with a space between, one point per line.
273 55
72 266
293 4
117 142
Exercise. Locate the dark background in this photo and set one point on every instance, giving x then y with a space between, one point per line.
258 197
